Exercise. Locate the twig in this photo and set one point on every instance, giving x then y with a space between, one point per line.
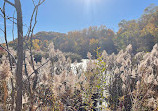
2 30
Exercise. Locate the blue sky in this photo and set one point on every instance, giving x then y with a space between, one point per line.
68 15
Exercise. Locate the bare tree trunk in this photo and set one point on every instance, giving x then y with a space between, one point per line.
12 95
20 56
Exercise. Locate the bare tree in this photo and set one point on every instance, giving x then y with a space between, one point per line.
7 49
19 67
20 49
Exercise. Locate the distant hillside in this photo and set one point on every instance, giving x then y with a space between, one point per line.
80 42
141 33
48 35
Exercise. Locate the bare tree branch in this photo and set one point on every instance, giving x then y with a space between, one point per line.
1 10
30 29
13 26
10 18
2 30
8 52
10 3
33 3
37 69
5 35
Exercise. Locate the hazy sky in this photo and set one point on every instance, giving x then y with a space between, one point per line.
69 15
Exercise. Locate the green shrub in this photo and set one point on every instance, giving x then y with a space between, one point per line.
37 57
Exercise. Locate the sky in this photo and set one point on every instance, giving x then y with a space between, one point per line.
69 15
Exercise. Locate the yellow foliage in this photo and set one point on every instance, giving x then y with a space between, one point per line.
35 44
93 41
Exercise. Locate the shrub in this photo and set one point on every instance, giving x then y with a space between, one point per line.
37 58
73 56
